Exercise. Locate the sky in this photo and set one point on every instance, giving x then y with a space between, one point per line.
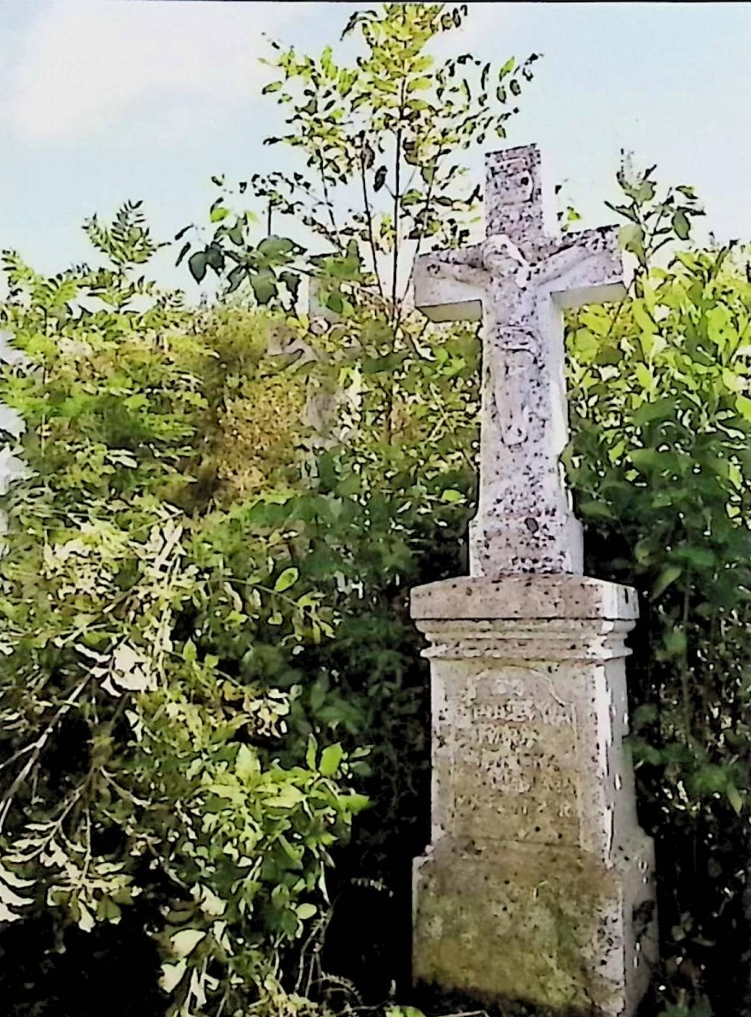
107 100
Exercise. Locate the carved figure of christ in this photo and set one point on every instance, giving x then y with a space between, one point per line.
518 281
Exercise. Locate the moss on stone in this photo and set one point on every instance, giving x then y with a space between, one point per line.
529 934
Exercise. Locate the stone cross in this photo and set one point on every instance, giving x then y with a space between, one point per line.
328 407
538 882
519 280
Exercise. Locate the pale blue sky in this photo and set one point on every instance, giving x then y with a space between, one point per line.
106 100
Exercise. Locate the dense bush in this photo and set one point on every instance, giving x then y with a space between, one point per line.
139 762
198 614
661 465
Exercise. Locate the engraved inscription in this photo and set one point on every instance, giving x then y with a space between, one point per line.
515 765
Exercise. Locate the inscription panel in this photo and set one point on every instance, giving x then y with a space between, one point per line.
515 761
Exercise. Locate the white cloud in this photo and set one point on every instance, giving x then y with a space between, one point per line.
82 66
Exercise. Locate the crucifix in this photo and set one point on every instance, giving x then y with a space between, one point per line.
518 281
538 883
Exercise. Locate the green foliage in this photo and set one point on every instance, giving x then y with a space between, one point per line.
201 623
379 143
661 467
653 223
140 760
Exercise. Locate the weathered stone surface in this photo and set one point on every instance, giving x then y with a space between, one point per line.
518 280
537 864
532 923
534 597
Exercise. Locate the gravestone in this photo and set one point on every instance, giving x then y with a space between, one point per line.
538 882
329 408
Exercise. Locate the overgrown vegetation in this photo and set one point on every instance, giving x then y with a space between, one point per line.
209 670
200 633
661 467
138 745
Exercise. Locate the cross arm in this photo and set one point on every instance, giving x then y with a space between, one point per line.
584 268
450 285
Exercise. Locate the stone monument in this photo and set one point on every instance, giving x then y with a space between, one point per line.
329 408
538 882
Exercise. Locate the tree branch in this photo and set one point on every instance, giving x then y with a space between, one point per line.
36 749
369 220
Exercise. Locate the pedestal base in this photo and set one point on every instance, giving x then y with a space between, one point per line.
536 923
538 884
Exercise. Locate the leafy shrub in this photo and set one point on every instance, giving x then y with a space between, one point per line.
375 145
139 760
219 612
661 466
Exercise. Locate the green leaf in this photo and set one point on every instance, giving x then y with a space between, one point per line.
452 495
596 510
287 578
356 803
292 281
681 224
380 178
675 642
172 975
247 763
700 557
218 213
645 191
185 941
331 757
646 458
743 405
275 249
236 235
735 799
235 277
305 911
668 576
264 286
631 238
198 264
643 715
215 258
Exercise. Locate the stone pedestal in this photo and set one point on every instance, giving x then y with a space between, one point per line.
538 883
